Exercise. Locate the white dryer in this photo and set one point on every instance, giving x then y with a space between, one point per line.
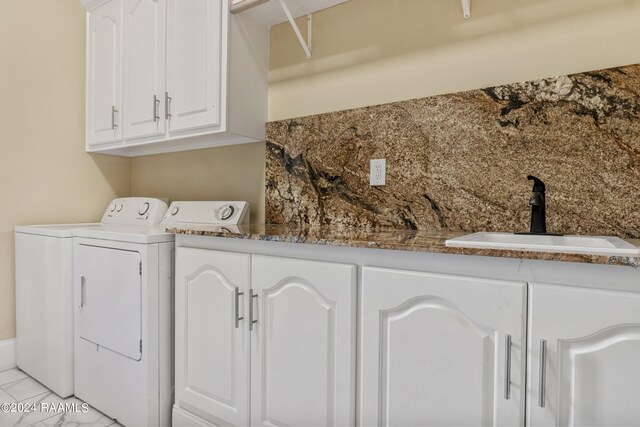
44 295
44 304
124 311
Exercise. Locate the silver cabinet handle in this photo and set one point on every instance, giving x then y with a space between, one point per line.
156 105
238 318
167 106
83 291
252 296
543 372
507 367
113 117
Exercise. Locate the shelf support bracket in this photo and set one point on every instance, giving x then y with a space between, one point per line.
466 8
306 45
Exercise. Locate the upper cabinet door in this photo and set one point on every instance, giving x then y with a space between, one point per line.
144 68
303 345
212 336
584 353
440 350
194 36
104 73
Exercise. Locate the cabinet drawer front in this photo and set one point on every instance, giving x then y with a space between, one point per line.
433 350
303 344
212 354
591 370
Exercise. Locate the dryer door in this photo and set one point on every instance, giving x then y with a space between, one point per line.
110 312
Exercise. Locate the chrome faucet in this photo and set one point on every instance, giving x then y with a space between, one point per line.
537 202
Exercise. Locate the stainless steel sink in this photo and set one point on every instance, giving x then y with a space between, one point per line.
590 245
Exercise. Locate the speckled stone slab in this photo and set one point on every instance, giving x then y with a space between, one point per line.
459 162
432 241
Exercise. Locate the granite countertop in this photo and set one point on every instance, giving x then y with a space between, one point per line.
392 239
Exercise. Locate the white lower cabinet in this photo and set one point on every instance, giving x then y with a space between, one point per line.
303 345
291 323
212 348
584 357
440 350
271 341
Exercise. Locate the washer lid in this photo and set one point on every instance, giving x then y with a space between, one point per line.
126 233
52 230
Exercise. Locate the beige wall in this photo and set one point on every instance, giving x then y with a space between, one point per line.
367 52
45 175
224 173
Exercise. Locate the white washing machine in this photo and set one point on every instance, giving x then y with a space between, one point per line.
123 297
214 216
44 295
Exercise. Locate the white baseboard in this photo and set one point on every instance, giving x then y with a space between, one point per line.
8 354
182 418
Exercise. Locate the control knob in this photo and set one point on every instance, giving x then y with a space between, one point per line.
144 208
227 212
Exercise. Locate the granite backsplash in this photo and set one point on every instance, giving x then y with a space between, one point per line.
460 162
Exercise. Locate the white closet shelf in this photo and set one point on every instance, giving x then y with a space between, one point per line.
466 8
270 12
273 12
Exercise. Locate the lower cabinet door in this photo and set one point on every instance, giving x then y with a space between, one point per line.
212 337
584 357
440 350
303 344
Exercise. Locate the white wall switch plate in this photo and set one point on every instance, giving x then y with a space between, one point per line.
378 172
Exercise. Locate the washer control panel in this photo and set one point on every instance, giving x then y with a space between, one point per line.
214 213
135 210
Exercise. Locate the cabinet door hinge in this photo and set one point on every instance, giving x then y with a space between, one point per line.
140 346
140 268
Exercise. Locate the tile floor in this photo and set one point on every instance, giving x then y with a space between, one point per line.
17 386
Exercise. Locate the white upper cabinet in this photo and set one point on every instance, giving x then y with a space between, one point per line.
104 73
144 75
195 63
440 350
584 357
194 76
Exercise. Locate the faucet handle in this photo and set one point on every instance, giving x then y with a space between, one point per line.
538 185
